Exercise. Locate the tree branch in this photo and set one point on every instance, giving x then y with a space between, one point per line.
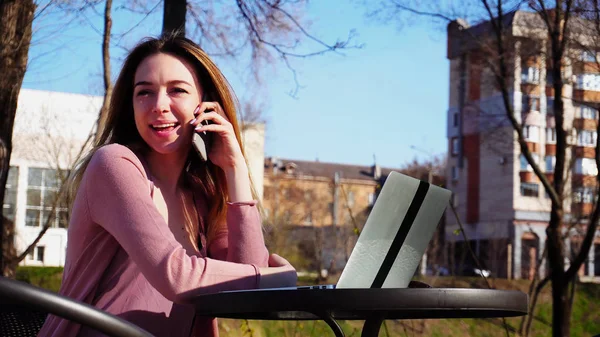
475 258
423 13
59 195
533 303
246 14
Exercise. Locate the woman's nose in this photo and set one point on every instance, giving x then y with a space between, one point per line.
161 102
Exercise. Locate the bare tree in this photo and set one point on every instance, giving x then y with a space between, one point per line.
60 150
108 86
11 257
555 27
174 16
264 30
16 17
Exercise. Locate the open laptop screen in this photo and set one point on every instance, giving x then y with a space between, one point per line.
396 234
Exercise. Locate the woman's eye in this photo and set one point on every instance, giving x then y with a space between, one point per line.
179 91
143 93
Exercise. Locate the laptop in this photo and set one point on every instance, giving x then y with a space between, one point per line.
395 236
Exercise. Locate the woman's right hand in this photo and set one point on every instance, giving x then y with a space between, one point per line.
280 273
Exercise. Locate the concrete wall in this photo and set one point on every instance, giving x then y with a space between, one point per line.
253 140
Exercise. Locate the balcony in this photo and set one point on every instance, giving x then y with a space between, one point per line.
532 89
585 124
583 95
582 208
582 151
579 180
533 147
528 177
549 177
530 75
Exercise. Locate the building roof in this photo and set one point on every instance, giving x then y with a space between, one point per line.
520 23
321 169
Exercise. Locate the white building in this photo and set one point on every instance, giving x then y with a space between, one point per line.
50 130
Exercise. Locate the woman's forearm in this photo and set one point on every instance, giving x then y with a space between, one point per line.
238 183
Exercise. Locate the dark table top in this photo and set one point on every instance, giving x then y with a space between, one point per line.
360 304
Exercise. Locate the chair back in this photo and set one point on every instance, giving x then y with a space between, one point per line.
18 321
23 309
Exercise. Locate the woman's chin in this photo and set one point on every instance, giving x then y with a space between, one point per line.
167 149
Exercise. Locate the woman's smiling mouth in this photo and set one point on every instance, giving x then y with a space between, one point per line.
164 129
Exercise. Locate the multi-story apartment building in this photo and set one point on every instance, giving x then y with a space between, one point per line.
500 201
50 129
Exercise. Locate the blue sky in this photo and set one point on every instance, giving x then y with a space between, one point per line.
379 100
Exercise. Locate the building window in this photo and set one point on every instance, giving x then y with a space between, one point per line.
588 56
531 133
350 198
549 78
308 219
37 254
42 191
584 111
10 194
308 195
587 138
530 189
550 136
525 164
455 119
588 82
550 163
455 146
583 195
454 173
586 166
372 198
550 106
530 103
530 75
454 199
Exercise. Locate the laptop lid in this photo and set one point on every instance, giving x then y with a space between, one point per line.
396 234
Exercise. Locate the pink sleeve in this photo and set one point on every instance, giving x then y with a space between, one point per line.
118 199
242 241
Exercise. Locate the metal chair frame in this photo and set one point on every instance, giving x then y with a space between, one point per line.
26 304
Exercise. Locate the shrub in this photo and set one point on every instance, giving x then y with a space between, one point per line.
44 277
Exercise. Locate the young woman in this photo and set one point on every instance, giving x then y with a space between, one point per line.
152 224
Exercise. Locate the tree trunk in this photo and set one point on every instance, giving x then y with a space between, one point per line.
561 310
174 17
16 17
106 68
556 257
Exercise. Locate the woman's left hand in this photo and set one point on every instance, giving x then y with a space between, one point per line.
224 149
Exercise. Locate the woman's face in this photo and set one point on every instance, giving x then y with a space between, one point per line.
166 92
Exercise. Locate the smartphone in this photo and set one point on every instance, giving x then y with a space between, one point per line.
199 143
202 140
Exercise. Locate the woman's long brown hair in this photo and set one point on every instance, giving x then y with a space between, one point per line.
120 125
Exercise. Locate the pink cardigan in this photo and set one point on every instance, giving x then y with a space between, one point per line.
123 258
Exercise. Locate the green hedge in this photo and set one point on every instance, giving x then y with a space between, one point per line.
45 277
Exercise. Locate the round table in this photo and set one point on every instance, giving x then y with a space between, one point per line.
372 305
